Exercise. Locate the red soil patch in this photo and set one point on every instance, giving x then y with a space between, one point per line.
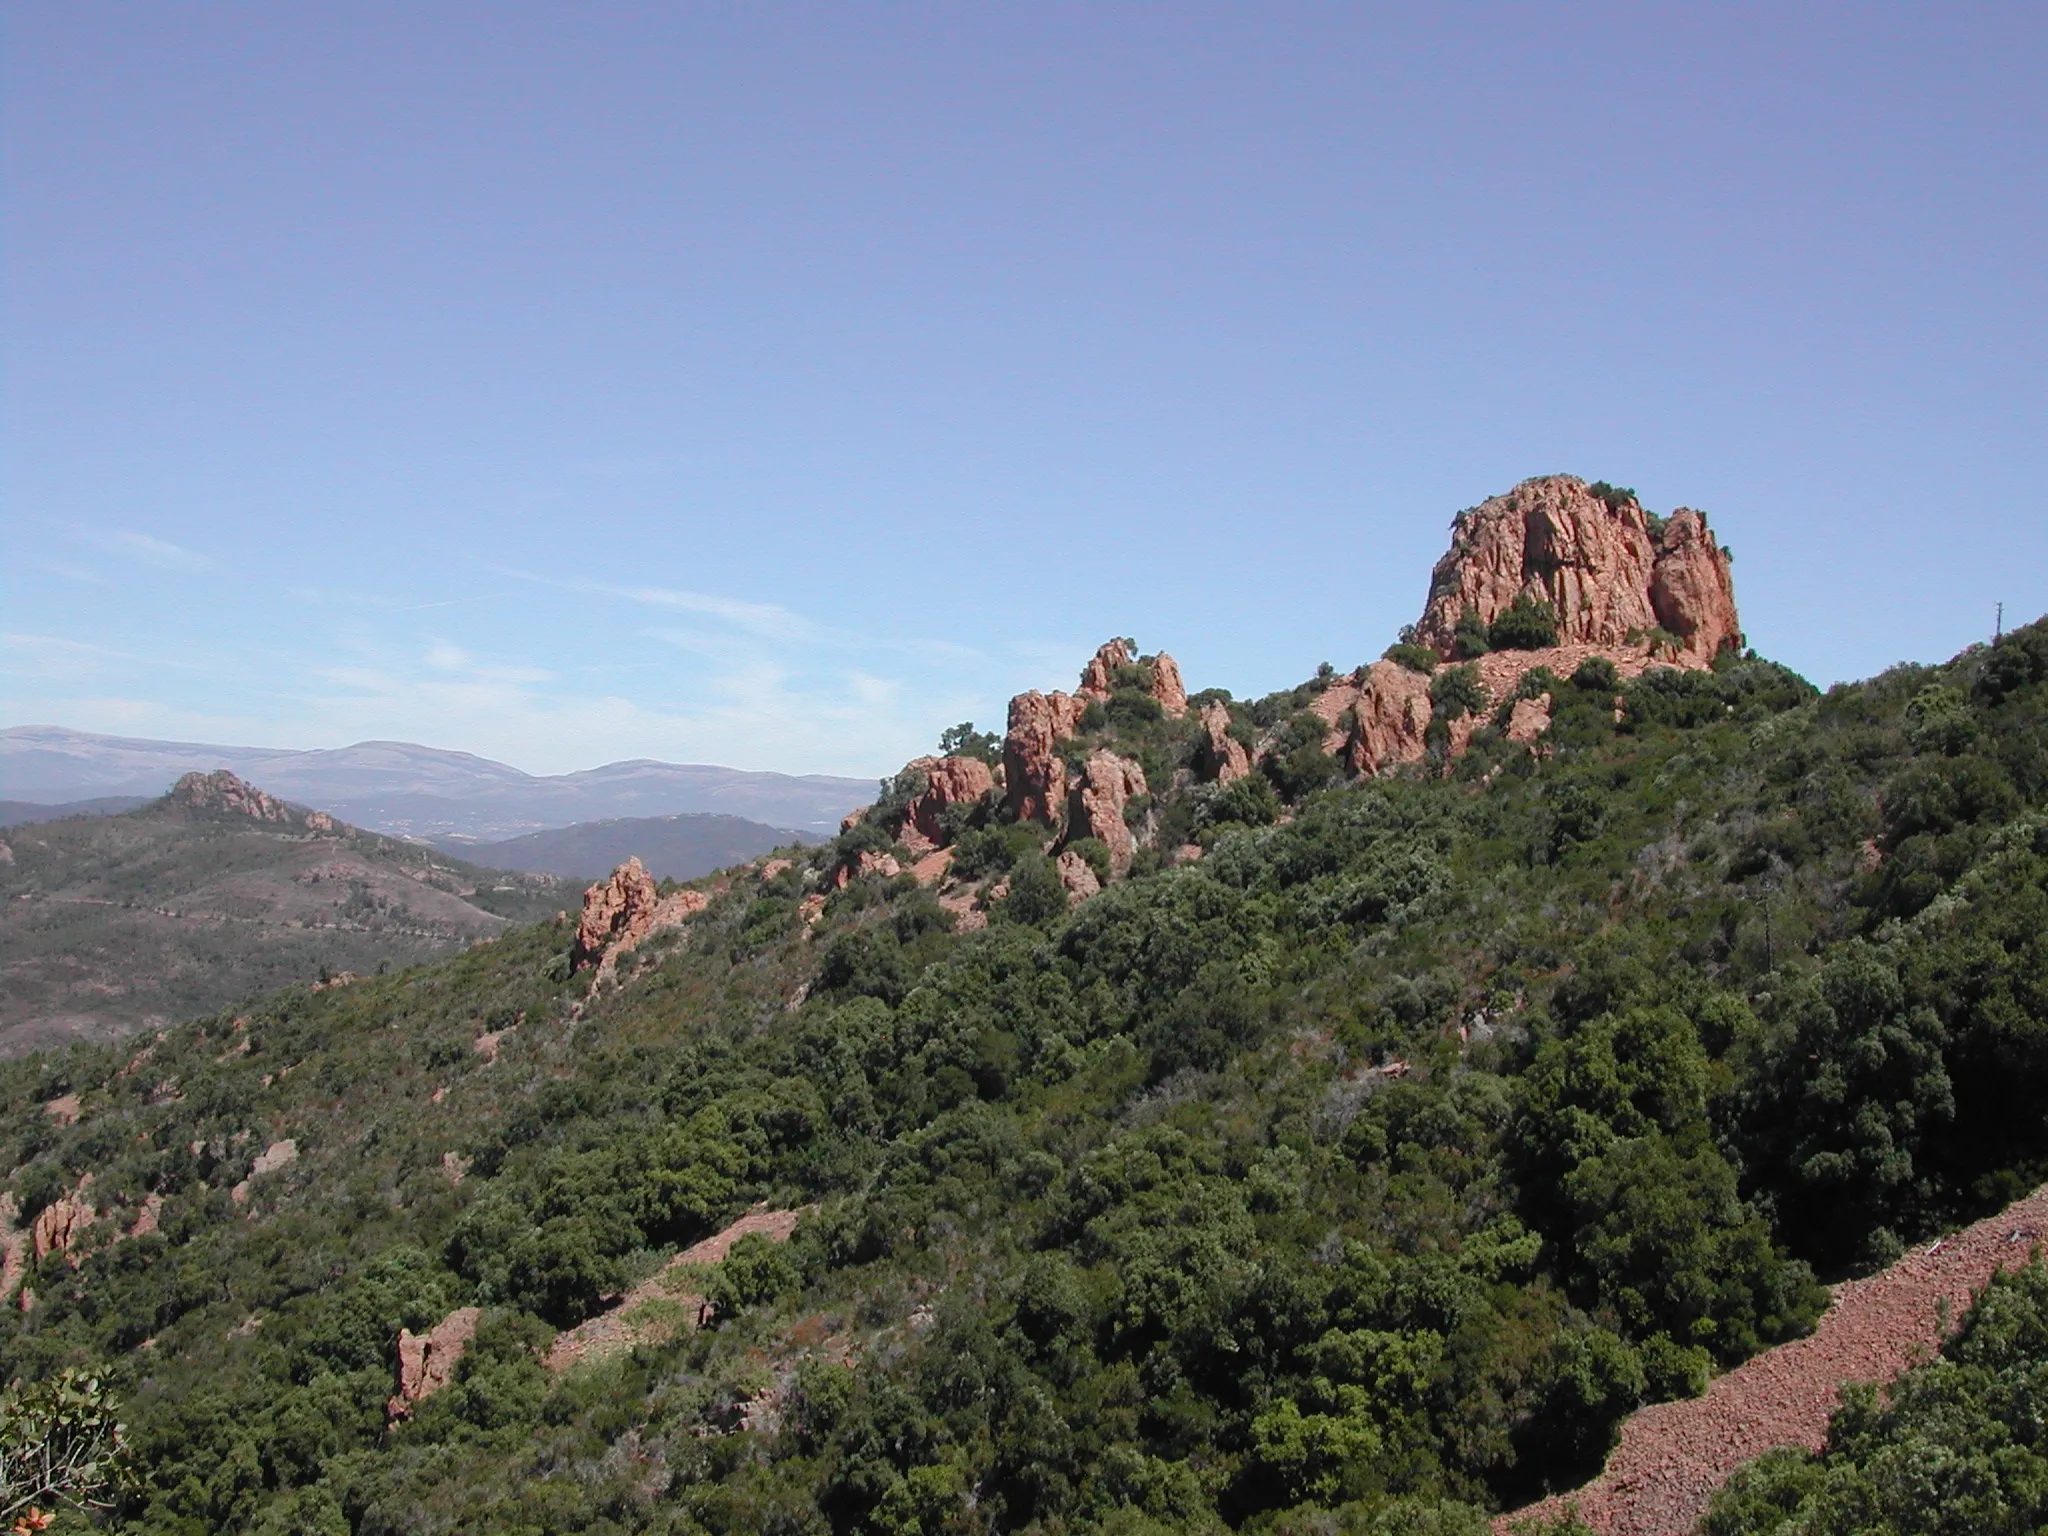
1673 1456
618 1329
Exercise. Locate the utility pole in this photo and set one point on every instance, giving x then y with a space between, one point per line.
1998 634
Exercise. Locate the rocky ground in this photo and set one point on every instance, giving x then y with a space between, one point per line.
1673 1456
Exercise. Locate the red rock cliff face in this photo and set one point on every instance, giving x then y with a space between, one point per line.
1692 589
1595 561
1034 778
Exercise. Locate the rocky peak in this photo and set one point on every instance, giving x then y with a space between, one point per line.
1099 676
620 912
222 793
1607 570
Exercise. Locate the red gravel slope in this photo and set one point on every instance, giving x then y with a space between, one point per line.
1673 1456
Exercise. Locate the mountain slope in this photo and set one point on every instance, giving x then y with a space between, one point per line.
212 893
15 813
410 790
1356 1115
671 847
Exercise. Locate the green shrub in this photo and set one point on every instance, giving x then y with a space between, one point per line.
1597 674
1456 692
1036 895
1528 624
1468 639
1416 658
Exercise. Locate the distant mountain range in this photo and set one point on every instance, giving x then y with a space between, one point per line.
426 792
671 847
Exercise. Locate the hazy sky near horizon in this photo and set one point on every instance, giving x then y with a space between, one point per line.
775 385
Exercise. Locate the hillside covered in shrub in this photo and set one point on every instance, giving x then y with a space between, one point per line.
1352 1158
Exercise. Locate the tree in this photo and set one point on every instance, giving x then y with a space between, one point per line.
1457 692
1528 624
1468 639
963 740
60 1443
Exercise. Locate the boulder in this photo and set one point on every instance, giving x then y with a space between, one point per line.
1035 780
1529 718
1106 786
1594 559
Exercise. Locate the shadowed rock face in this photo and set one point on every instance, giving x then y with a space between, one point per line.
1594 559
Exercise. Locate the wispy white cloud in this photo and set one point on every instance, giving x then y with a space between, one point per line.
72 572
146 549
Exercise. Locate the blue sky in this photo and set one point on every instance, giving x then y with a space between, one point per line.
775 385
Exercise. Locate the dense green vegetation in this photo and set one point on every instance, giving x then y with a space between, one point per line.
1957 1448
1356 1177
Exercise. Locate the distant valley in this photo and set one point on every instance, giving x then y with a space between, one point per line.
671 847
423 792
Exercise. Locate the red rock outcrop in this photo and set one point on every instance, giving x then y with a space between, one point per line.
62 1222
1077 876
1034 778
865 864
1692 591
1529 718
1223 757
14 1248
1594 559
621 912
222 792
1107 785
1100 673
427 1361
1167 687
1389 708
948 781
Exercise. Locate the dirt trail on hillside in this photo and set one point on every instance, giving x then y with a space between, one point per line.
1673 1456
629 1323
